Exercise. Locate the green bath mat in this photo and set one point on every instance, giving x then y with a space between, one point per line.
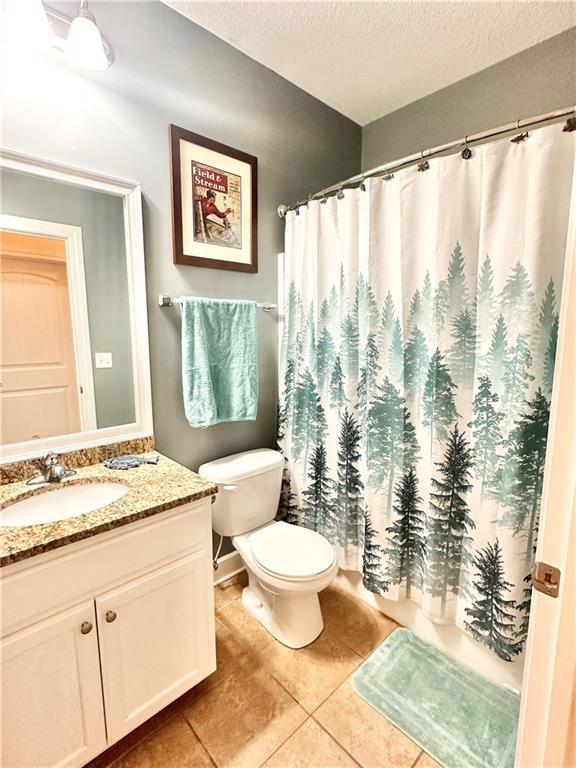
458 717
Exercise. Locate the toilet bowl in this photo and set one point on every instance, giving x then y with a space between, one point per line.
287 565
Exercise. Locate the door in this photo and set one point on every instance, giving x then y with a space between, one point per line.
156 640
52 709
39 395
547 728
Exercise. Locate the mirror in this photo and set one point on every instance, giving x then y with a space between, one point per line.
73 370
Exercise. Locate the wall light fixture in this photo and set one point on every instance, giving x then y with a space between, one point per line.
84 44
32 26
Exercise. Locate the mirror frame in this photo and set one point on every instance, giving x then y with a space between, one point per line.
130 193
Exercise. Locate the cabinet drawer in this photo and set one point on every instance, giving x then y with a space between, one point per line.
72 573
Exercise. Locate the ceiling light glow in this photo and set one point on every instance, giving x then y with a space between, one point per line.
25 21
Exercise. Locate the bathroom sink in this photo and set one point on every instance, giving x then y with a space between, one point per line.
61 503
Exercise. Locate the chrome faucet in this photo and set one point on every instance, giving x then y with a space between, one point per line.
51 470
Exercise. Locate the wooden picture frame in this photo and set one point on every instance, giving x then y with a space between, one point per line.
214 203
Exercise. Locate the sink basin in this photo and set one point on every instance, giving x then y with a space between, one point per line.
61 503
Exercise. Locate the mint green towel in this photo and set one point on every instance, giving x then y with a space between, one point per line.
219 362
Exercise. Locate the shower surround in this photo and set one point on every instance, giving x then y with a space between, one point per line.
420 327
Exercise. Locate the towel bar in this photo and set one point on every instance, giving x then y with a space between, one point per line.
164 300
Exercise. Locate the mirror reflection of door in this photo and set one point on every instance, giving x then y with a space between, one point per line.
39 396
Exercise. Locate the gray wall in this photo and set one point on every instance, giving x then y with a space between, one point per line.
537 80
168 70
101 217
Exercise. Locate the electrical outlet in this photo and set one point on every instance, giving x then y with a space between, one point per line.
103 359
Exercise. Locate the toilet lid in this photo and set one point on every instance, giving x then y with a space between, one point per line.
290 551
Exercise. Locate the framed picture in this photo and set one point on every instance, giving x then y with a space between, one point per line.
214 203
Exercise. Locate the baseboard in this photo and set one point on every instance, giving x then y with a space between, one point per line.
228 565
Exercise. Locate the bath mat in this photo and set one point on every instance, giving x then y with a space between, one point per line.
461 719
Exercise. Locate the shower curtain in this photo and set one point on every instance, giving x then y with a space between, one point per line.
420 329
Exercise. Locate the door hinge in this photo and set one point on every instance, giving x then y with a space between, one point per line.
546 579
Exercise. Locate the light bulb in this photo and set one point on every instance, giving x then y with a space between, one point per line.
84 44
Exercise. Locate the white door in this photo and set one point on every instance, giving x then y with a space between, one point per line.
52 710
156 640
547 731
40 393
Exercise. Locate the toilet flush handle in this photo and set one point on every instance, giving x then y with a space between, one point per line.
230 487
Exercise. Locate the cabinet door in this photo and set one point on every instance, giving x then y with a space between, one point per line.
156 640
52 708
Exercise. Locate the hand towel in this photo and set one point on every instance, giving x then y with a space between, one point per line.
219 361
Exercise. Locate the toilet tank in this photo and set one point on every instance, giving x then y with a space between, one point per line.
248 490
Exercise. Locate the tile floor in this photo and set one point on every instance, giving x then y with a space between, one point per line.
272 707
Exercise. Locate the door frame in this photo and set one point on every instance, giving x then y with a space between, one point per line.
72 236
550 664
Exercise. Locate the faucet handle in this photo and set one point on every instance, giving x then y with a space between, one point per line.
50 469
46 461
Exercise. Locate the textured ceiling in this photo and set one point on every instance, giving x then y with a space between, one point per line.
369 59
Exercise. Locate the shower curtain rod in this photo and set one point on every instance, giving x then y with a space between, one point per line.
422 156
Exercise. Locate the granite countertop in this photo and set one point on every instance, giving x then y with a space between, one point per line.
153 488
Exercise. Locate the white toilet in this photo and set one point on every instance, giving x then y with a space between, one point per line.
287 565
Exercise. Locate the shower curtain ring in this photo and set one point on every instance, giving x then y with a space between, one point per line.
466 152
521 136
423 165
570 124
324 200
340 193
363 184
387 176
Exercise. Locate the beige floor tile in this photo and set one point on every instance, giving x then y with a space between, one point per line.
174 744
369 737
144 731
310 674
244 719
231 656
425 761
246 629
310 747
229 590
353 621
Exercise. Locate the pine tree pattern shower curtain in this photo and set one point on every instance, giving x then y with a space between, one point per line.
420 330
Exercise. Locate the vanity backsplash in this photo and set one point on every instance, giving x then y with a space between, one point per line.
18 471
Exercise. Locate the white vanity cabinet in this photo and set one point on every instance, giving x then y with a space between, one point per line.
99 635
154 635
52 710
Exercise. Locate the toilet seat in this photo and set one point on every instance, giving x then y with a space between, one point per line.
291 552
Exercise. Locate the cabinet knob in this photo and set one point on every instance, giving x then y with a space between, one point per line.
85 627
110 616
